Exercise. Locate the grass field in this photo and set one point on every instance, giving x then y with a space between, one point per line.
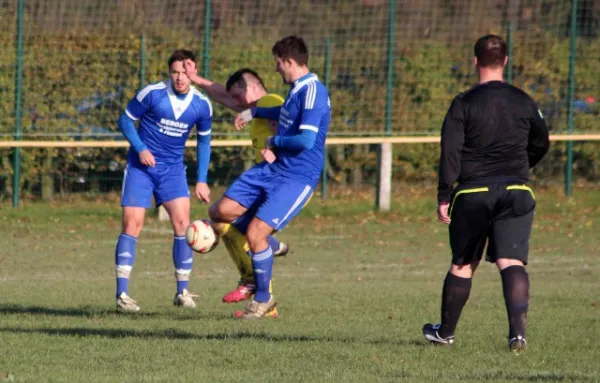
353 296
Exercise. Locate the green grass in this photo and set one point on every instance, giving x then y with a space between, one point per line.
353 296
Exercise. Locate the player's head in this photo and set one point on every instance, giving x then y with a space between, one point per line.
291 56
490 53
246 87
181 82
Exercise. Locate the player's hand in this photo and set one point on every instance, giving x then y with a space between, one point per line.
147 158
268 155
203 192
191 70
244 118
442 212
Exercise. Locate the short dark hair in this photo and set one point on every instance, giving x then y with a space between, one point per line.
490 51
181 55
238 78
291 47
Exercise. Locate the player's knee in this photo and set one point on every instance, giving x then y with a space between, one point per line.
503 263
180 225
464 271
214 212
132 227
257 234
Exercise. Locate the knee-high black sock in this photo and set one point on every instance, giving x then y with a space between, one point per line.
454 296
515 285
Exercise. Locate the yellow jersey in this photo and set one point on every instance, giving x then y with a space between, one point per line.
259 128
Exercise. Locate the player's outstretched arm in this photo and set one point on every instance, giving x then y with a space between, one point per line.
305 140
271 113
214 90
127 127
243 118
203 159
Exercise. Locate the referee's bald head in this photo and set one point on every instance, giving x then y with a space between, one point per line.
490 51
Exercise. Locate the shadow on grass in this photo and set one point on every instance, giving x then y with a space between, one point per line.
67 311
522 377
174 334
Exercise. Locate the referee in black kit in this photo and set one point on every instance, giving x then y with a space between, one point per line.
492 135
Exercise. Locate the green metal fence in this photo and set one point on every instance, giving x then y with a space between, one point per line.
68 67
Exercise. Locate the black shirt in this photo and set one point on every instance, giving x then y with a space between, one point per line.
492 133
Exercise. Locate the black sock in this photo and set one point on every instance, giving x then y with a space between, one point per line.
454 296
515 285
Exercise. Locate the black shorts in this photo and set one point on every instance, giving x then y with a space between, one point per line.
499 214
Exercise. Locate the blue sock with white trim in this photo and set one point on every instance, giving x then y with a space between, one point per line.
124 259
262 265
182 259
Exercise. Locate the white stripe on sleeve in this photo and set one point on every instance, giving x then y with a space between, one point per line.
309 127
130 115
311 93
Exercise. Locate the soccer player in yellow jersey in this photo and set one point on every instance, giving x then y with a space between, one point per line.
244 89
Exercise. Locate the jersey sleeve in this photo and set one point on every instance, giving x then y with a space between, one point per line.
141 103
314 105
453 138
204 129
539 140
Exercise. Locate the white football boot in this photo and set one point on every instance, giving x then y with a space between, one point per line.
185 299
126 305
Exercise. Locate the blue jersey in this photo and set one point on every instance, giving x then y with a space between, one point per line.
307 106
166 119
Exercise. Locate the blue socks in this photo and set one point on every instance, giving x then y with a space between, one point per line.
124 259
262 264
242 222
273 243
182 259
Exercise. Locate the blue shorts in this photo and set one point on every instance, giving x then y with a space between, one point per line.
164 182
276 198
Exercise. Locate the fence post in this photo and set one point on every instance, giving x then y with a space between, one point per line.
384 176
509 48
384 153
390 68
326 77
18 104
206 50
571 91
142 60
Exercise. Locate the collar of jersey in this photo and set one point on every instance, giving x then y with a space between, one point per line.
180 96
298 84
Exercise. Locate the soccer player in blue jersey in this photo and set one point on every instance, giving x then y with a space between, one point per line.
278 188
167 111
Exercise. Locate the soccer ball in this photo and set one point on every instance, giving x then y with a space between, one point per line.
201 236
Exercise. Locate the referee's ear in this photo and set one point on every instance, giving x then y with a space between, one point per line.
475 61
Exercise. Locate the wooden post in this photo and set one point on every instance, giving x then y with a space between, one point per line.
162 213
384 177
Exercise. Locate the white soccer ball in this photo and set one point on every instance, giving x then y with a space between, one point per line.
201 236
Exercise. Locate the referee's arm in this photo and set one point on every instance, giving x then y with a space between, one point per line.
453 138
539 140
